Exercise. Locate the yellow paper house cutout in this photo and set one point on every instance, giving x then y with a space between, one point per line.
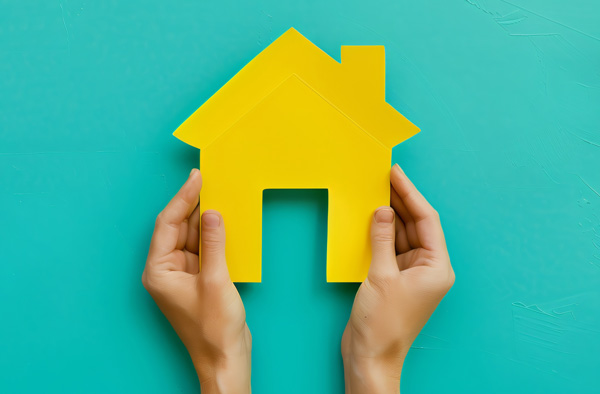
295 118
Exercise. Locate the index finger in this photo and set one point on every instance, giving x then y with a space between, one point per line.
427 222
169 221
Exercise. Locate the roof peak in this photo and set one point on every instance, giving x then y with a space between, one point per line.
356 87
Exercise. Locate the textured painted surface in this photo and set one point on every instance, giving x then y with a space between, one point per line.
507 94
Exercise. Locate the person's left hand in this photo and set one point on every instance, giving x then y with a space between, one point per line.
202 305
410 273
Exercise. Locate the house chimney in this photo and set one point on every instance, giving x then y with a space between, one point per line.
366 67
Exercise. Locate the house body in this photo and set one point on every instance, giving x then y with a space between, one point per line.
295 118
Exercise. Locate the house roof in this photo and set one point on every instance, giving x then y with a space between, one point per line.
356 87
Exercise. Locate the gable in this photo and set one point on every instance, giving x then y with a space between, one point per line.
296 128
355 87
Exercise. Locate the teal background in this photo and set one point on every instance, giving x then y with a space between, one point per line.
507 94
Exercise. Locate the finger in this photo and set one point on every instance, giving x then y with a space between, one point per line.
427 224
193 232
383 236
399 206
416 205
409 222
192 264
212 245
168 223
402 245
183 233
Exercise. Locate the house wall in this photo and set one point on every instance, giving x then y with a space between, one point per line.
296 139
506 94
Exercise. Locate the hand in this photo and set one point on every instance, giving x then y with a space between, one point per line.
410 273
203 307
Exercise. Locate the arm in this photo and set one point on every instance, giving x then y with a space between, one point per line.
203 306
409 275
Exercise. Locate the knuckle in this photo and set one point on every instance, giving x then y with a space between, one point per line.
431 215
212 244
149 283
445 282
383 237
381 282
162 220
451 279
412 196
213 282
437 284
145 281
159 220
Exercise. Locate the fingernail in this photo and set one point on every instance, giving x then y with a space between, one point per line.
211 220
384 215
193 172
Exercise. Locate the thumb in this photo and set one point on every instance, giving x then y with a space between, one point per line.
383 236
212 245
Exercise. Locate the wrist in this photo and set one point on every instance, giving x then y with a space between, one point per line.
373 376
227 374
227 371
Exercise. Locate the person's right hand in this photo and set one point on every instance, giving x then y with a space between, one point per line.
410 273
202 305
